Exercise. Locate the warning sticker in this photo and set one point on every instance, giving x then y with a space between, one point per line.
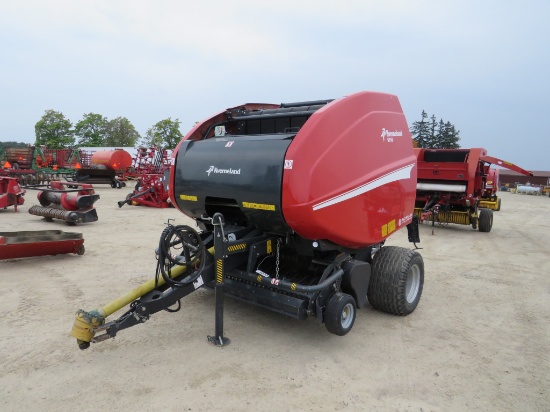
187 197
260 206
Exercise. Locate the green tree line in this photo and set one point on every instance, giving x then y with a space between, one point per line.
94 130
430 133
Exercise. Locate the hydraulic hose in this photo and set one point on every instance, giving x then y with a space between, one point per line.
171 237
296 287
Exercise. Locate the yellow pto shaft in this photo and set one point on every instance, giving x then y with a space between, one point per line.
85 322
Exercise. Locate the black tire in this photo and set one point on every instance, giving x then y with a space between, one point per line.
340 313
485 220
81 250
396 281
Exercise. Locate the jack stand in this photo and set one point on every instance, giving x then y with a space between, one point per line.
219 253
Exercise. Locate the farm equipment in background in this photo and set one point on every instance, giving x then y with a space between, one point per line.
150 190
34 165
489 199
151 168
14 245
11 193
68 201
294 203
104 167
452 186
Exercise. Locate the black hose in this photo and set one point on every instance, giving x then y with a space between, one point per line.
172 236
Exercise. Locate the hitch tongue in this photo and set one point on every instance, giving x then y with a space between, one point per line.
101 338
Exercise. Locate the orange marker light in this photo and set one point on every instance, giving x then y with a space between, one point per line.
77 166
7 165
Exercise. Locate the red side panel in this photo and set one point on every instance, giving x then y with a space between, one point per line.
350 172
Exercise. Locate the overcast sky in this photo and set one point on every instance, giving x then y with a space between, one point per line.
483 65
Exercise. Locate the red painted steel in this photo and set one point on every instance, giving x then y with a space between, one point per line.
15 245
459 167
118 159
350 172
11 193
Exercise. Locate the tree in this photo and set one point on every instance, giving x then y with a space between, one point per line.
120 132
165 133
91 130
54 131
432 139
434 134
448 136
420 131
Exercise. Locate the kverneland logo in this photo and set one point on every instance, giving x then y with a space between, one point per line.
214 169
387 133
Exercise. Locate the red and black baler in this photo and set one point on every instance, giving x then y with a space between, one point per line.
294 203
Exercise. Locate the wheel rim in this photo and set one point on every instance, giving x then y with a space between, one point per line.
413 284
347 316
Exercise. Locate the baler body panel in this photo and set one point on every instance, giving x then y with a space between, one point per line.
240 177
342 170
353 175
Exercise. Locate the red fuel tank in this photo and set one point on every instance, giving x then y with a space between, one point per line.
117 159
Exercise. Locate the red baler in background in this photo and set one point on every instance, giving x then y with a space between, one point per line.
452 186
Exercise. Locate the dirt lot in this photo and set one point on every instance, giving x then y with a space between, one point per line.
479 339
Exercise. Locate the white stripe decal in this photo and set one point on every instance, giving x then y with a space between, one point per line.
399 174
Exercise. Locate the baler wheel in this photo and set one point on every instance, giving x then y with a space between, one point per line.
485 220
340 313
397 280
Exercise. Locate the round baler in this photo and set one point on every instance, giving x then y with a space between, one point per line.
294 203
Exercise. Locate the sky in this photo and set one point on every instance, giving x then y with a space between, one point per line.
482 65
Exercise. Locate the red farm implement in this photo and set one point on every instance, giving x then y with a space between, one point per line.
68 201
294 203
23 244
151 168
453 186
11 193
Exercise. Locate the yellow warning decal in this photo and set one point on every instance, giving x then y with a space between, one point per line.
259 206
388 228
259 278
233 248
293 286
391 226
188 197
219 271
269 249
